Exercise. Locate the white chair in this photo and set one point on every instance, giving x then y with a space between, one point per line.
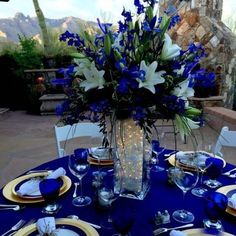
67 132
226 138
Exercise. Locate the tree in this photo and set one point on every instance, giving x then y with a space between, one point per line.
43 27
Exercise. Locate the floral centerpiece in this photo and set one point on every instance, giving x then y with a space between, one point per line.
134 70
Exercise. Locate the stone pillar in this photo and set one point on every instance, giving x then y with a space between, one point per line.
201 23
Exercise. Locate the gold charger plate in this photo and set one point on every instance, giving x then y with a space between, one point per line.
88 230
225 190
199 232
171 160
94 161
12 196
35 175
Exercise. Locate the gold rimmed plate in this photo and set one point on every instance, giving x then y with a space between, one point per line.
94 161
64 227
227 190
171 159
200 232
9 191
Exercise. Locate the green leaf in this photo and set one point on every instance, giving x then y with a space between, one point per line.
107 45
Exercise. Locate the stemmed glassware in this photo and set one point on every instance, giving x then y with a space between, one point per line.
215 204
79 165
185 179
49 189
202 166
213 172
156 151
106 193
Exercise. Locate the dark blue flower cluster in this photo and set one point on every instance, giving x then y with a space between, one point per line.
136 68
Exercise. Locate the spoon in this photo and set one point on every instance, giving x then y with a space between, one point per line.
163 230
75 191
14 208
75 217
229 172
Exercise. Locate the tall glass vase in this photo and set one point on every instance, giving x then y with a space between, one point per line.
131 159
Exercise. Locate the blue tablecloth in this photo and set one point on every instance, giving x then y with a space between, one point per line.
162 196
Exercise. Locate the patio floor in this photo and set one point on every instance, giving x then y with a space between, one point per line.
28 140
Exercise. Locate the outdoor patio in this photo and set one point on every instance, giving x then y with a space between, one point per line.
28 140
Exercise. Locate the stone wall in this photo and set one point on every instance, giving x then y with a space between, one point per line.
201 23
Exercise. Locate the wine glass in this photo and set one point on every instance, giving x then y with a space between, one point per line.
79 166
49 189
185 179
108 192
215 204
213 172
202 166
156 151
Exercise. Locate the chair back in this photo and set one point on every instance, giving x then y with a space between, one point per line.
226 138
67 132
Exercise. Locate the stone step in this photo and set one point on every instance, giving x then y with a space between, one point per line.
218 117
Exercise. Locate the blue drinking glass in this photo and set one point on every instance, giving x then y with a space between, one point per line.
50 189
215 205
214 170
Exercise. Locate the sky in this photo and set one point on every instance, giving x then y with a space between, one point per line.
84 9
62 8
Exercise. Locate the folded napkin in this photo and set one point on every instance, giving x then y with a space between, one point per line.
177 233
31 187
46 226
232 201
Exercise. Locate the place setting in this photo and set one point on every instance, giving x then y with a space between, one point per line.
101 156
58 227
26 189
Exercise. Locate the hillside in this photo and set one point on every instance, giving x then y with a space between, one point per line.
28 26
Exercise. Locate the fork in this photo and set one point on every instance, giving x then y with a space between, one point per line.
27 224
15 227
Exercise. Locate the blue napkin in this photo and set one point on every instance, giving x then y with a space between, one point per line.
215 168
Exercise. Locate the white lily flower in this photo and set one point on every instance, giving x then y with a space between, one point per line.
83 63
151 76
169 50
182 89
94 78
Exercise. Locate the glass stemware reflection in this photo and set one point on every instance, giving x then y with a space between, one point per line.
79 165
213 172
49 189
185 180
106 193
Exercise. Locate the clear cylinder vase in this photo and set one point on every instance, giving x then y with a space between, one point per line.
131 159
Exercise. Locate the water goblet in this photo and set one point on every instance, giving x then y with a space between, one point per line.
213 172
215 204
156 151
107 193
79 165
201 156
185 179
49 189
